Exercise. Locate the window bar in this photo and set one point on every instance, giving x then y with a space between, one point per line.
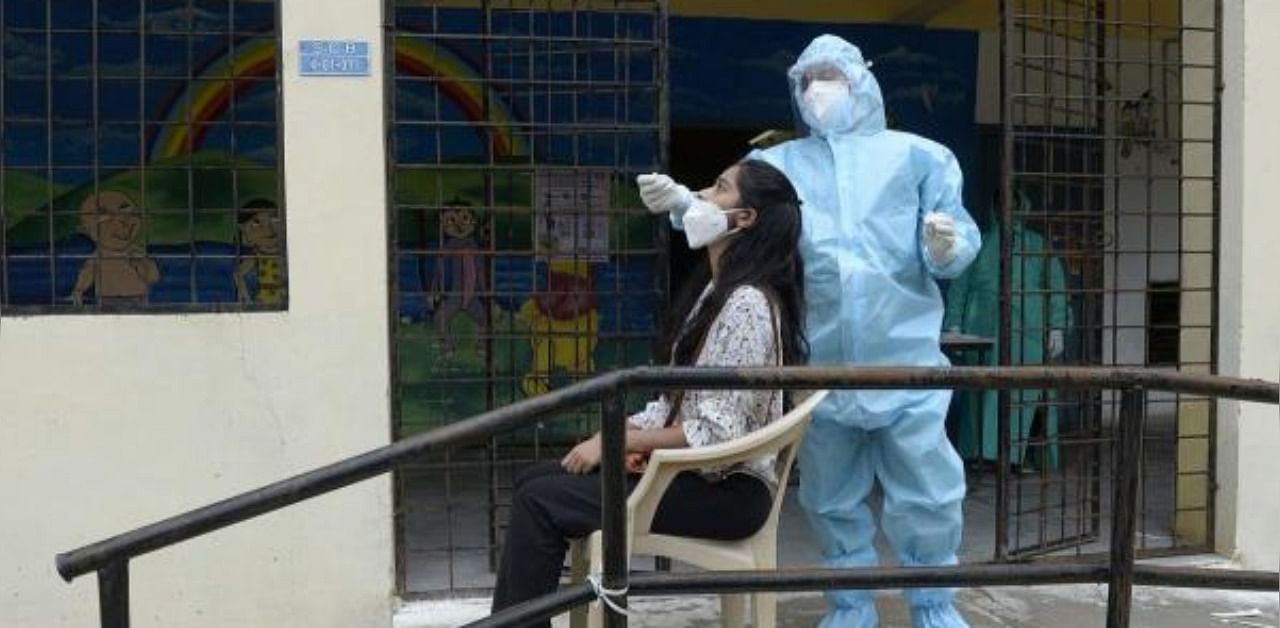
4 183
234 127
143 158
48 130
190 149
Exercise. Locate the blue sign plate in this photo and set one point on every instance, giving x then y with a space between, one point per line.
328 57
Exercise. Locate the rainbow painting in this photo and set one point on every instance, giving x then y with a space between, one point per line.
209 97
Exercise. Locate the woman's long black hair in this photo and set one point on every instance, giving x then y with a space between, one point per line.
765 256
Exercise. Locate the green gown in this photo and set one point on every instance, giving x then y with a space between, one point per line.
1039 305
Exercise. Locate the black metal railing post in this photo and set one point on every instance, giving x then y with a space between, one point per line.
113 594
1124 516
613 489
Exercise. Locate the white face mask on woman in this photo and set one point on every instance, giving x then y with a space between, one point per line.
705 223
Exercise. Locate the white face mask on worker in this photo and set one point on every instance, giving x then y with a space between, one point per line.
825 98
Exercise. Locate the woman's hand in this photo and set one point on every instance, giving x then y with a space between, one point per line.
584 458
636 463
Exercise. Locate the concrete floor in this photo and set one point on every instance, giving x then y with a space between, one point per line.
1004 607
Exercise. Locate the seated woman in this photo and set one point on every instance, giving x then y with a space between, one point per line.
742 308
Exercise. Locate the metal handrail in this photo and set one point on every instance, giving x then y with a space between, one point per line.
110 557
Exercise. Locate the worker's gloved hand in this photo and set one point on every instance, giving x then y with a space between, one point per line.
661 194
940 237
1057 343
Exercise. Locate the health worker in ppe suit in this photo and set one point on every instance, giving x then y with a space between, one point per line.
882 221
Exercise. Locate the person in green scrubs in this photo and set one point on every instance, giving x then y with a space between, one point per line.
1040 317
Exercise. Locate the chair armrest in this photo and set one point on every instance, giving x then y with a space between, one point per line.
761 442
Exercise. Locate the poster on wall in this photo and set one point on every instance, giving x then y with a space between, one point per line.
572 217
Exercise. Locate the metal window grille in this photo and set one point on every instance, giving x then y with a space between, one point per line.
140 167
521 256
1110 214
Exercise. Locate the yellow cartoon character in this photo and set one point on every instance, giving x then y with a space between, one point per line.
563 325
120 272
259 223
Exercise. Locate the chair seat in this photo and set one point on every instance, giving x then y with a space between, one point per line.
704 553
707 554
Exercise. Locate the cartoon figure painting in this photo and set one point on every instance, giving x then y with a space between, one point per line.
259 224
459 279
120 273
563 323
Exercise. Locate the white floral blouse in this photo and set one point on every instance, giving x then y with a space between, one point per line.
742 335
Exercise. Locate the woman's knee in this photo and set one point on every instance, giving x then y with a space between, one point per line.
529 495
547 494
535 471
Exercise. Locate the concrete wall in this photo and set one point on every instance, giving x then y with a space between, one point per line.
1248 505
111 422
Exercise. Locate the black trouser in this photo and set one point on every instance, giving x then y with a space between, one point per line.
551 506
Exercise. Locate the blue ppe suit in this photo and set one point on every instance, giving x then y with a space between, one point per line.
873 299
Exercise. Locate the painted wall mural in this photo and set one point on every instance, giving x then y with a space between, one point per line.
522 257
148 180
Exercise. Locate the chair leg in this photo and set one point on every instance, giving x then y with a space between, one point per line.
590 615
733 610
595 615
594 551
765 609
579 566
765 605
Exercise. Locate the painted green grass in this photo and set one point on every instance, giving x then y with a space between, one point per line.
213 182
24 194
512 195
209 180
436 390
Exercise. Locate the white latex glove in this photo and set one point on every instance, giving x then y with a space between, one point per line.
661 194
1056 343
940 237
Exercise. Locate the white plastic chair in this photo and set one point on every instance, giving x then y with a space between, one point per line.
760 551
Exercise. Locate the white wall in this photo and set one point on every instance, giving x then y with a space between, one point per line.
1142 202
111 422
1248 523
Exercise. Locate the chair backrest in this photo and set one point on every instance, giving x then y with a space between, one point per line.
787 455
781 438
